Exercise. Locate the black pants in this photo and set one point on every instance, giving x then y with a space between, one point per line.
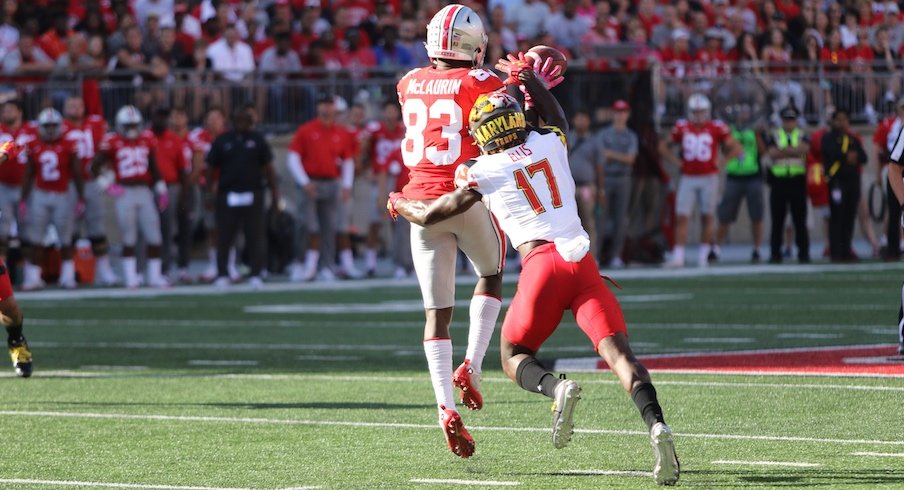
844 197
788 193
231 219
893 232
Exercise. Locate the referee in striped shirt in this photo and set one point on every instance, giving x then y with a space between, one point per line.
896 182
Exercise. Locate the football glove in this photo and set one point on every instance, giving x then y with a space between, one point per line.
390 205
162 195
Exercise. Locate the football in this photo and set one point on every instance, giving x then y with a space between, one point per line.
541 52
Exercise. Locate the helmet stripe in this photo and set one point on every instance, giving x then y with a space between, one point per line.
448 22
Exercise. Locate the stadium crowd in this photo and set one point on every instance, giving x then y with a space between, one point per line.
205 59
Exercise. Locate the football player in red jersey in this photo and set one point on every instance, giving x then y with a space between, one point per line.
10 314
130 151
385 157
700 139
174 170
524 178
12 170
52 164
435 101
86 132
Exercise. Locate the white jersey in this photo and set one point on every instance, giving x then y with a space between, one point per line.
528 188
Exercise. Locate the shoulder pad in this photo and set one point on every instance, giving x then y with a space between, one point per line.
555 130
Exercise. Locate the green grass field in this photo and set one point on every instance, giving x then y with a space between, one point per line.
323 386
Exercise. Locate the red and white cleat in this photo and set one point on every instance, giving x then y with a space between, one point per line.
457 437
467 379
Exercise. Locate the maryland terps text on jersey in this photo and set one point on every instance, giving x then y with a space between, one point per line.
434 87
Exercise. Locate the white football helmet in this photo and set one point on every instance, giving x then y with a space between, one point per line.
129 122
698 108
456 33
50 124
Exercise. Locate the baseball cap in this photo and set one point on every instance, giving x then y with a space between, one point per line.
621 105
789 112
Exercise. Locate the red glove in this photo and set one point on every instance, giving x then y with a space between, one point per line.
390 205
514 65
23 210
79 208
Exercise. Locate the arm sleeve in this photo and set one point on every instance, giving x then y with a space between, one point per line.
297 169
348 173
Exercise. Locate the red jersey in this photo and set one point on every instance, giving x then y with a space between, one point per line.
199 140
712 63
700 145
880 138
323 148
386 149
435 108
85 137
675 63
131 158
171 157
52 162
12 171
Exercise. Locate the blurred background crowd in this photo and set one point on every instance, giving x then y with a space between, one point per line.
282 59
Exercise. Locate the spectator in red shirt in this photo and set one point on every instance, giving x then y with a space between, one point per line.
833 55
711 60
53 42
604 32
356 57
676 58
646 13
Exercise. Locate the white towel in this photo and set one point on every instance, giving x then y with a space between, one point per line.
573 249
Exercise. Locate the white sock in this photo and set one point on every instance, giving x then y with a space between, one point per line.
130 270
33 272
154 274
67 272
102 265
233 272
439 363
678 253
484 311
346 259
370 258
311 257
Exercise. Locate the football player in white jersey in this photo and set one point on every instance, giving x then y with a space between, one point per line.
524 179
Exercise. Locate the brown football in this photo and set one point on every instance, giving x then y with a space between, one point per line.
542 52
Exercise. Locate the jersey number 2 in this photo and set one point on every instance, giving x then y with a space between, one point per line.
417 116
523 181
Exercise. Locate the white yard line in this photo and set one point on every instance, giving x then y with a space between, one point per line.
509 278
220 362
769 463
878 455
605 472
409 379
95 484
719 340
487 483
402 425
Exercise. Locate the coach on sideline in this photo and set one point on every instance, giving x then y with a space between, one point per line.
245 163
